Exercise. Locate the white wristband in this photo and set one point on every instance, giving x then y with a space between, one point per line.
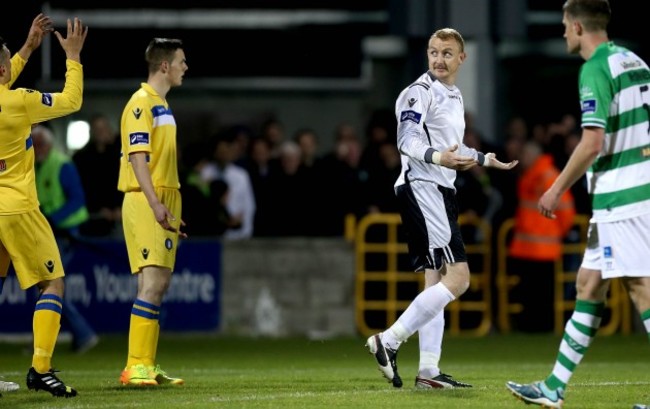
488 158
435 158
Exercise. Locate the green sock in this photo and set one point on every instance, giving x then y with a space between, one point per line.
578 334
645 317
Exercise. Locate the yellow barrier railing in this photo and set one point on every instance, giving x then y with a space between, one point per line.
504 281
384 289
618 312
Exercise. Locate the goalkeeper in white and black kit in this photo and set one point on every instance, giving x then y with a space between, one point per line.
431 124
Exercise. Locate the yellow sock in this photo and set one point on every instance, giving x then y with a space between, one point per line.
46 324
155 342
143 334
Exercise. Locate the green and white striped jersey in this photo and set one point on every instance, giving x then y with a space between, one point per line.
615 95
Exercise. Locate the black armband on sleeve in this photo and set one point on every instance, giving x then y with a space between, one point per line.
480 158
428 155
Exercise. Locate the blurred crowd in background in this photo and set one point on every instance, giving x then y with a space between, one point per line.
243 182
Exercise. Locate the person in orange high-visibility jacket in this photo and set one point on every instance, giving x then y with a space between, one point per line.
537 240
535 236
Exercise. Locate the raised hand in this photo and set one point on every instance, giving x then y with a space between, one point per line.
74 40
41 26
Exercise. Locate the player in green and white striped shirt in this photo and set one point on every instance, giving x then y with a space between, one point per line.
614 152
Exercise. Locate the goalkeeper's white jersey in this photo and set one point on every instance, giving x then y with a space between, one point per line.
430 116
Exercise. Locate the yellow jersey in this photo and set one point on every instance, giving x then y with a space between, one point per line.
148 126
19 109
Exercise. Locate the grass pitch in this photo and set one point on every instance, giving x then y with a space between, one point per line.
227 372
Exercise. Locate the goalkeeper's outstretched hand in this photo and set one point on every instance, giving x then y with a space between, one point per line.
491 161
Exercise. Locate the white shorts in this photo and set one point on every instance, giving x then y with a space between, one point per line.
430 217
619 249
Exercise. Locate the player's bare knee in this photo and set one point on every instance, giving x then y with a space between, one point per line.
639 290
591 286
457 284
55 286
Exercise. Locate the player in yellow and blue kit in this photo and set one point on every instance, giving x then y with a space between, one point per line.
151 211
26 238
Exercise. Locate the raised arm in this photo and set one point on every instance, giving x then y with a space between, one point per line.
45 106
74 41
41 26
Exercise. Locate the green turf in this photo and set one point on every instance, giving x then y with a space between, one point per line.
226 372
